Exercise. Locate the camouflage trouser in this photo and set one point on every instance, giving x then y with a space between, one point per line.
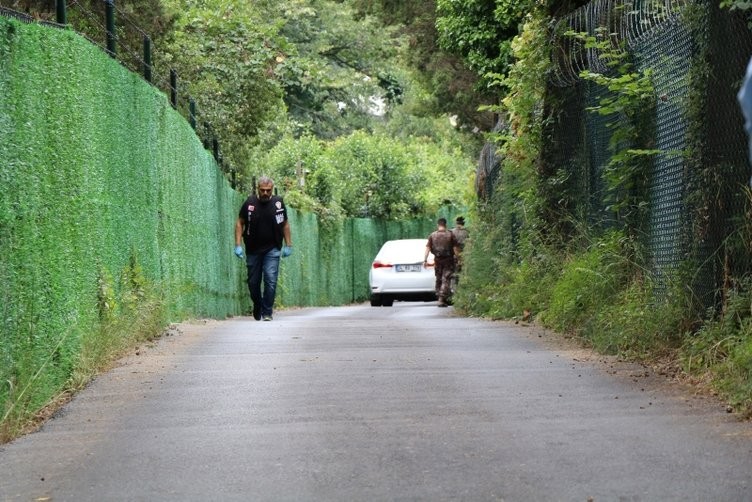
444 271
455 276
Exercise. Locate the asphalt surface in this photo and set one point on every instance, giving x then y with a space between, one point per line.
358 403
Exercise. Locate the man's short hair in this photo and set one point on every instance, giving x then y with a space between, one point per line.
264 180
442 221
460 220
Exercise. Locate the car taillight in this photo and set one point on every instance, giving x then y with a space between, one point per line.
378 264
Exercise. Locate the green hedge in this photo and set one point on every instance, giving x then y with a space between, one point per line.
99 174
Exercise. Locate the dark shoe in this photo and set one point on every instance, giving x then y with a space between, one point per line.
257 312
267 318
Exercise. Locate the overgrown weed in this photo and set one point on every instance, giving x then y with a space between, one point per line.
128 315
588 281
609 303
721 350
639 324
502 286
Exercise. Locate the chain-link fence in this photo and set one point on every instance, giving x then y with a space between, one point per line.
668 51
489 166
697 187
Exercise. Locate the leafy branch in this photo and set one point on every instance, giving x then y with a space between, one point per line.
631 100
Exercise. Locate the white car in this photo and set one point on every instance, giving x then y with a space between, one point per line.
397 273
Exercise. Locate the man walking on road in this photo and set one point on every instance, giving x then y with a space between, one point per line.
460 235
444 247
460 232
262 223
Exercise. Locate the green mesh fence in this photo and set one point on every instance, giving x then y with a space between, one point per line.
489 167
97 170
564 157
331 262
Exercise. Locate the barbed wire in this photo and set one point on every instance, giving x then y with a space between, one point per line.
130 57
96 22
621 23
26 18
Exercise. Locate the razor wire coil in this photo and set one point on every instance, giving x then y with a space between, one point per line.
622 23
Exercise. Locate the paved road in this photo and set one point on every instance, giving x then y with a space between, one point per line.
358 403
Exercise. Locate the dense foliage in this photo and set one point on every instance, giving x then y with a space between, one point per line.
223 54
481 31
328 76
536 255
370 175
450 85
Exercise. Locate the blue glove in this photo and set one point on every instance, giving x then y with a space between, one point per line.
286 251
239 251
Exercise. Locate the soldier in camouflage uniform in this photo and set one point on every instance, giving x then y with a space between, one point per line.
444 247
460 234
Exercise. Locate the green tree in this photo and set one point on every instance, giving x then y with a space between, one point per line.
226 55
133 20
332 72
451 86
337 99
481 31
369 174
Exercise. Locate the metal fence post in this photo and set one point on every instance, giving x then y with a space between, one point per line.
109 12
192 113
207 132
174 88
62 18
147 58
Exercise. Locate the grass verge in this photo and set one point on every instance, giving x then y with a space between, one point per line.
135 315
612 305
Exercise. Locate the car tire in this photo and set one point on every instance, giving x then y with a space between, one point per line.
387 302
375 301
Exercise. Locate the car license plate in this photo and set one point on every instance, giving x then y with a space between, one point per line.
408 268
